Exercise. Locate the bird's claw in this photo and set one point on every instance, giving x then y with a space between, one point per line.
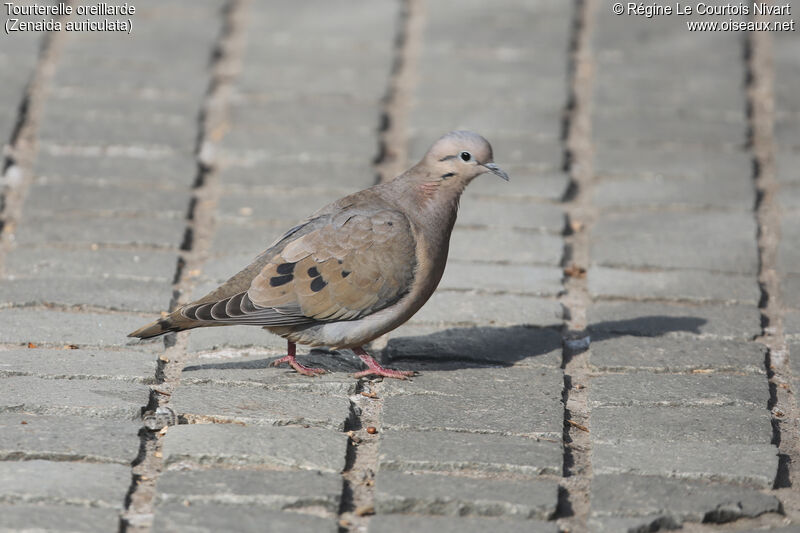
301 369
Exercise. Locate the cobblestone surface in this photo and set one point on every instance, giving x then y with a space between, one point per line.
141 171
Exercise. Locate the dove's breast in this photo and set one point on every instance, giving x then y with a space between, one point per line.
431 257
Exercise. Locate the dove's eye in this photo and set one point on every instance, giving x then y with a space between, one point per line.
465 156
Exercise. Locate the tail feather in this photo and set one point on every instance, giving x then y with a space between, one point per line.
162 326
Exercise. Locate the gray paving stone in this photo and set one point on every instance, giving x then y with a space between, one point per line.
525 279
787 131
260 406
76 126
646 389
46 326
166 233
333 114
179 171
507 29
722 241
786 164
268 145
343 80
25 436
518 345
639 63
454 452
664 40
530 181
141 76
501 309
17 517
246 239
321 51
377 16
56 482
78 397
331 70
57 198
676 354
691 285
96 264
613 319
789 247
212 517
483 78
449 524
654 191
437 400
791 323
126 365
208 339
169 104
7 121
279 207
431 110
620 162
235 445
219 269
794 358
755 464
652 128
353 175
244 368
461 496
789 197
268 489
680 500
640 85
491 212
110 293
709 424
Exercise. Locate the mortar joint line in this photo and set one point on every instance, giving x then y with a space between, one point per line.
200 226
574 489
357 503
783 406
16 169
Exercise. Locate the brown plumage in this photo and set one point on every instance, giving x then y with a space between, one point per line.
357 268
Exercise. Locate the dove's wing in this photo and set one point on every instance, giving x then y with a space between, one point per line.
339 265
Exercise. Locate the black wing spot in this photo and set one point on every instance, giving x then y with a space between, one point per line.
313 272
285 268
277 281
345 273
448 175
318 284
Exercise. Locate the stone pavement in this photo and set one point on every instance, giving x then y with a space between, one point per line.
615 345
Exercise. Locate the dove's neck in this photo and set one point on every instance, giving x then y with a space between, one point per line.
429 202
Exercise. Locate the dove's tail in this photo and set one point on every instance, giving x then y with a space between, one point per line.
172 322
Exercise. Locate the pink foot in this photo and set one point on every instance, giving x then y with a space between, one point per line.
375 369
301 369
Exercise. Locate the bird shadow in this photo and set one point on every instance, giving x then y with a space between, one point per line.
504 346
479 346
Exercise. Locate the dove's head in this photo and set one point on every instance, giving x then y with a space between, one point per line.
459 157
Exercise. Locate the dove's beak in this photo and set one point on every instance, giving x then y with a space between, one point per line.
494 169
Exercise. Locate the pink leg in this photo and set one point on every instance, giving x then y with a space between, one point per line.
306 371
375 369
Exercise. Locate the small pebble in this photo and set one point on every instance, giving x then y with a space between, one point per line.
160 418
372 430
